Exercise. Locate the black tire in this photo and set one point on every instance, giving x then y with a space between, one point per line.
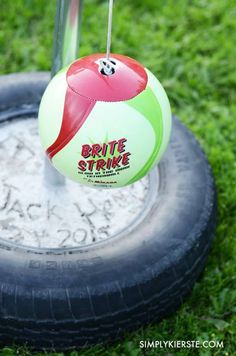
81 297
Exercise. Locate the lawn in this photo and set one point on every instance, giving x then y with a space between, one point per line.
191 47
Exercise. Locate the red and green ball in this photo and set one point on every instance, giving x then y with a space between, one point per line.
104 130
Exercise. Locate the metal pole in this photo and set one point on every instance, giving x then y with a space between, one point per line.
66 45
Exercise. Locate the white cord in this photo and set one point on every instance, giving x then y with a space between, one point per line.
106 65
109 29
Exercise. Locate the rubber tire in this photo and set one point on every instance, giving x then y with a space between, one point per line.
78 298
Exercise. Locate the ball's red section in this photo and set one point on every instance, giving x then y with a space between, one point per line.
76 110
87 85
129 79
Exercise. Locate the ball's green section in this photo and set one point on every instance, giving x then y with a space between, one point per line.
51 109
149 107
138 128
162 99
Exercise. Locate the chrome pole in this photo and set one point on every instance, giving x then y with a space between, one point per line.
66 45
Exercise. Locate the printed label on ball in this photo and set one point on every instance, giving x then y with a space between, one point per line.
103 160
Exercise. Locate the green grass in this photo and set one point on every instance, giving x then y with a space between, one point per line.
191 47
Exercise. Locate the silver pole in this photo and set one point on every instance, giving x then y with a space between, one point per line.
66 45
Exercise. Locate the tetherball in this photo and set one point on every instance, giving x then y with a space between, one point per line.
104 123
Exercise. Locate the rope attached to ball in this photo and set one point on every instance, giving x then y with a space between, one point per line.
107 66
